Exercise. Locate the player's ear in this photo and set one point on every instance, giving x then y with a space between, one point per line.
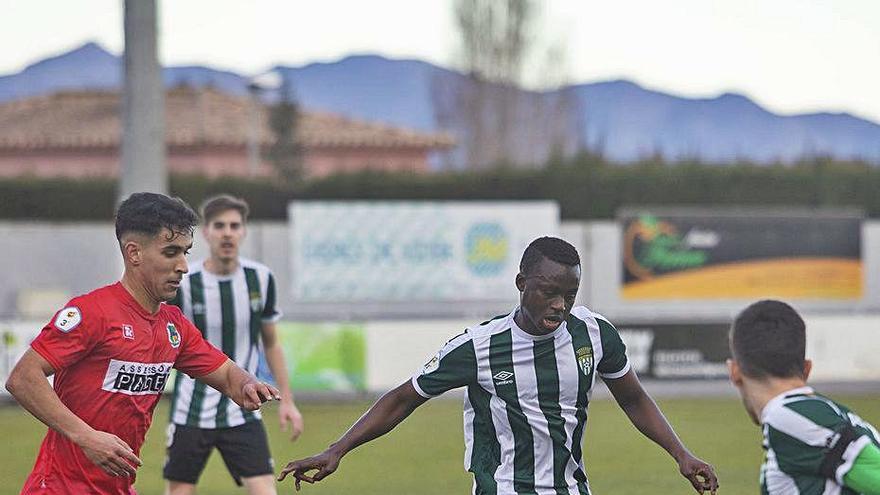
734 372
132 252
808 367
520 282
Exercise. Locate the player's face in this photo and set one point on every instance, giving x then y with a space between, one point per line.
547 295
164 263
224 234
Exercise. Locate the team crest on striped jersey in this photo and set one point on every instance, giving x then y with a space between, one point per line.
255 302
173 335
585 359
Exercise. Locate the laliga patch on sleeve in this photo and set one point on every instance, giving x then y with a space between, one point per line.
68 319
432 365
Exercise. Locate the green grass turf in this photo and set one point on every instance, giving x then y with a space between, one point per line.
424 454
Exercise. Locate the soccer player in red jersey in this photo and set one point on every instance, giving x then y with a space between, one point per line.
111 351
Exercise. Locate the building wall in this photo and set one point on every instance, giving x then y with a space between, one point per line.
75 164
211 161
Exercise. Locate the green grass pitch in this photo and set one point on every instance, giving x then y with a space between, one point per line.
424 454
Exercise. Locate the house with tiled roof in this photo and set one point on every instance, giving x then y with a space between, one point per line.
78 134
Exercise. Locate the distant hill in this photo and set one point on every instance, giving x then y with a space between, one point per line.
621 119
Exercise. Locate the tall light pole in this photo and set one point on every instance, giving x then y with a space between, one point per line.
143 104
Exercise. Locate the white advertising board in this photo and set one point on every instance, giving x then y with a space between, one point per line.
412 251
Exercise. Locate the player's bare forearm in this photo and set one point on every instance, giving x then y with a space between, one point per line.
386 413
275 359
382 417
647 418
644 414
27 383
242 387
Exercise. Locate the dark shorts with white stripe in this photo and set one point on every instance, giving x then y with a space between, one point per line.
244 448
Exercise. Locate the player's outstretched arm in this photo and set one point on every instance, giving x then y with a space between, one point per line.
864 476
27 383
646 416
383 416
240 386
288 414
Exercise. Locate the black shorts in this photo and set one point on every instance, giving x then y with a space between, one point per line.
245 451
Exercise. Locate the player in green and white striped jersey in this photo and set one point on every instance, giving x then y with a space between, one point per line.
529 376
814 446
232 301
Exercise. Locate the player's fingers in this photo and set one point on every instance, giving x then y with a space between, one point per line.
284 472
252 399
298 468
122 467
132 459
109 468
273 392
302 476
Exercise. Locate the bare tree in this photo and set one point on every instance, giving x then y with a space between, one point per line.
286 153
495 120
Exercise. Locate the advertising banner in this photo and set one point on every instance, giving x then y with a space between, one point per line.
324 356
412 251
741 256
677 351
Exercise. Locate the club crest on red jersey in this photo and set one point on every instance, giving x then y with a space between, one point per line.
128 332
173 335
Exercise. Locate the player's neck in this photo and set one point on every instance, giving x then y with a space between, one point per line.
760 392
221 267
140 293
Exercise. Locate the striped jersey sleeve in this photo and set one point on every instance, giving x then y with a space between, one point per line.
614 363
454 366
270 313
815 436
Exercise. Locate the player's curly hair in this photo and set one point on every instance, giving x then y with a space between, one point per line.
552 248
768 339
150 213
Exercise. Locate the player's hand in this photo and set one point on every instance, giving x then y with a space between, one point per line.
325 463
290 417
700 474
255 393
110 453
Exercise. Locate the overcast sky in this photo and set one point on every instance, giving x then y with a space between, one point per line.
791 56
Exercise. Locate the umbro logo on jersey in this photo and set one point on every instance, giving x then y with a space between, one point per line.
503 378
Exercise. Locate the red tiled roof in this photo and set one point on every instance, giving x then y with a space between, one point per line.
87 119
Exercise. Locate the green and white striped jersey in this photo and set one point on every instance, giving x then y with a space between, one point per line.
526 403
811 443
230 311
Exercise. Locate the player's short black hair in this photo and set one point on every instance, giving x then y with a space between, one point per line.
768 339
552 248
149 213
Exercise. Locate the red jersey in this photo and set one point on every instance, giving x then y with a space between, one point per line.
111 361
